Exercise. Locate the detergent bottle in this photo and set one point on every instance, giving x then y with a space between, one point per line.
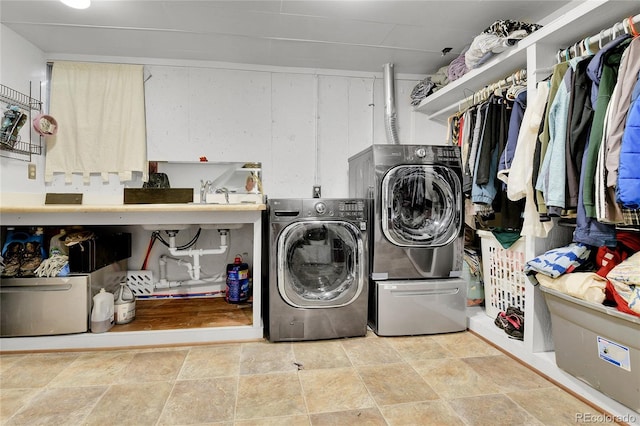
102 316
124 305
237 281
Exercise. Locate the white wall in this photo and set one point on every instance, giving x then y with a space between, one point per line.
302 124
21 63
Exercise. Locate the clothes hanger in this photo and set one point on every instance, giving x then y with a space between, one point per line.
586 42
633 31
601 36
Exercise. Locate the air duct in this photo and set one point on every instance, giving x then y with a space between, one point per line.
390 115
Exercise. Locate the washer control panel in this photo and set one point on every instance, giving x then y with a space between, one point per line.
287 210
339 208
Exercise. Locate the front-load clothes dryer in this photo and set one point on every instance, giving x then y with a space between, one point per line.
418 209
417 238
318 268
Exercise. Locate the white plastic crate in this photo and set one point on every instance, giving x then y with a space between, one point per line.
140 282
504 281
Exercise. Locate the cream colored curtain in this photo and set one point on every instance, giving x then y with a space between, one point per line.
100 113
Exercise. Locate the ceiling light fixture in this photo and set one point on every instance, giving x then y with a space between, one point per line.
77 4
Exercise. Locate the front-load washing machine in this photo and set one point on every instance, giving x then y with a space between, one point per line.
318 268
417 236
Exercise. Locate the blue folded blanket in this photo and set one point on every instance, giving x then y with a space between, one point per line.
559 261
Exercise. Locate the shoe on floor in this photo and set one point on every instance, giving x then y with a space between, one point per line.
515 323
501 320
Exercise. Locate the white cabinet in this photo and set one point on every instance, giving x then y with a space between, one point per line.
144 214
536 53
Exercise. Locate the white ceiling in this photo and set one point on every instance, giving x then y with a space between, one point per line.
359 35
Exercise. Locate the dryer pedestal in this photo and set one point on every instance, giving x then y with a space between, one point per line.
413 307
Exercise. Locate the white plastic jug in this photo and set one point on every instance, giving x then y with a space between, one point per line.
102 316
125 304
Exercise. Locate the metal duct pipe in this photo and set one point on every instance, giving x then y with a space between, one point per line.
390 115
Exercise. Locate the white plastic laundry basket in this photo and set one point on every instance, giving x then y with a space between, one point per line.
504 281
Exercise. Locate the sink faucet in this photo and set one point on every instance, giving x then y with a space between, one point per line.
204 190
224 191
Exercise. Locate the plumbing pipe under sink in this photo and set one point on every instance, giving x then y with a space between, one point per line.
164 283
194 270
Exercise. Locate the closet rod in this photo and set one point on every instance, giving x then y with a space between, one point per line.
517 77
627 25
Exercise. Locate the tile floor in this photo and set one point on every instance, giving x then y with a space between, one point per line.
451 379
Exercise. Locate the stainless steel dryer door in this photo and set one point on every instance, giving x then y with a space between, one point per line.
320 264
421 206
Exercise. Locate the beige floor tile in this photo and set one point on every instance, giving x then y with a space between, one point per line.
555 407
453 378
369 351
337 389
315 355
153 366
94 368
433 413
491 410
507 373
11 400
395 384
130 404
275 421
201 401
419 347
449 379
269 395
264 357
7 360
465 344
211 361
365 416
36 370
59 406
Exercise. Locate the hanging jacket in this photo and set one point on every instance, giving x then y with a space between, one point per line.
483 193
543 136
609 57
551 180
489 137
628 188
515 121
627 75
588 229
580 118
520 184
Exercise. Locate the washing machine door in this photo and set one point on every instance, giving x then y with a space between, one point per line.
320 263
421 205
